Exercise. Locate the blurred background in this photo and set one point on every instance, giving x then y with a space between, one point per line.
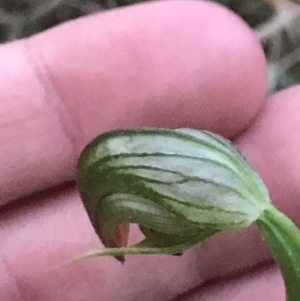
277 23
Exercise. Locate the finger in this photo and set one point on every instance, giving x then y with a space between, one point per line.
166 64
54 228
264 284
272 145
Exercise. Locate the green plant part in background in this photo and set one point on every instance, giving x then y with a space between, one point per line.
181 186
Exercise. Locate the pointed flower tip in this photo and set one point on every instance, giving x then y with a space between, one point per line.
120 259
118 239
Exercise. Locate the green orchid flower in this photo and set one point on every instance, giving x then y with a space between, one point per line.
181 186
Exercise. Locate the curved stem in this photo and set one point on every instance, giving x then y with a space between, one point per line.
283 239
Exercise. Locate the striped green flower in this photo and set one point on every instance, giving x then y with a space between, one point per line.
181 187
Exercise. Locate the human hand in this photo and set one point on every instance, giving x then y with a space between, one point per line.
169 64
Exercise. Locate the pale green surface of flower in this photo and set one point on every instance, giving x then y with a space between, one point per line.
179 182
181 186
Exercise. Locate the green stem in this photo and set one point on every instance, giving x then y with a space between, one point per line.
283 239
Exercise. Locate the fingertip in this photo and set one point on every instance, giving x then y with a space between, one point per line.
167 63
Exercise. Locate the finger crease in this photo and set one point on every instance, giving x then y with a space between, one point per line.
70 125
18 291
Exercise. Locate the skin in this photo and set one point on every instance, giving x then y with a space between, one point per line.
168 64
